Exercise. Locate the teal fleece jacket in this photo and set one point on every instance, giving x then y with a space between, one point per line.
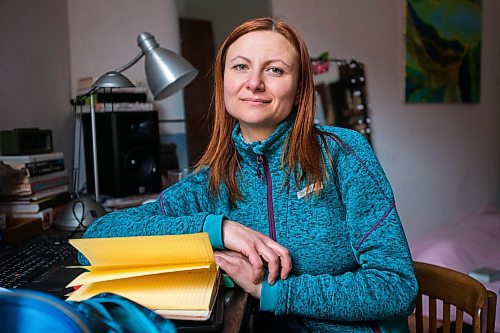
352 269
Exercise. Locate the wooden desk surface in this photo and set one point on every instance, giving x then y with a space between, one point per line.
235 311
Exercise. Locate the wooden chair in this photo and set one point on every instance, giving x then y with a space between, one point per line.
453 288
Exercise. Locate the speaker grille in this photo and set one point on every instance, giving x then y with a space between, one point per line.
139 163
128 153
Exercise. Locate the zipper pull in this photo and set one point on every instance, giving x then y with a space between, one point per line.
260 160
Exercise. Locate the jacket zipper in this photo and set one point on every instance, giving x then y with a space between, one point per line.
270 206
260 160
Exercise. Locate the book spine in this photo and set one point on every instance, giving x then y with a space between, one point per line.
49 183
25 178
28 207
34 187
34 169
19 209
45 216
32 158
48 192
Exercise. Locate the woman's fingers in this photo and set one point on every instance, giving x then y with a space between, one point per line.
277 257
239 270
257 265
272 259
223 263
285 261
257 247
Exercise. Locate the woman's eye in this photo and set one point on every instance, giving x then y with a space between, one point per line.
275 70
240 67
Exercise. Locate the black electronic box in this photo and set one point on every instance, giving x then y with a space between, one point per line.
26 141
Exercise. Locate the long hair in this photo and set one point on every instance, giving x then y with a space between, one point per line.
300 148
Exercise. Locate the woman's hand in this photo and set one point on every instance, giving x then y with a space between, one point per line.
239 270
257 247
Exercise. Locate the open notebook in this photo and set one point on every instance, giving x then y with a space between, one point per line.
175 275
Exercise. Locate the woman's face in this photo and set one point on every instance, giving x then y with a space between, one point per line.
260 82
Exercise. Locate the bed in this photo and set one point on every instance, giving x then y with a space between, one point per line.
472 244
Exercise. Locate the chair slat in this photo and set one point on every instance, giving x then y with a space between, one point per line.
476 321
432 315
446 318
459 320
418 315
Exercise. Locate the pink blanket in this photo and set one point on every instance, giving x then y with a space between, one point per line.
470 245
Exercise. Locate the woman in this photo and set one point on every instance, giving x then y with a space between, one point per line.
302 216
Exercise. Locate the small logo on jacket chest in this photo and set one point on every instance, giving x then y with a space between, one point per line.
309 189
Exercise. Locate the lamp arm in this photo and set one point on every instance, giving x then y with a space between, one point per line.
131 63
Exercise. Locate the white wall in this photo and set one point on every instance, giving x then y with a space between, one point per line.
443 161
218 11
103 37
34 69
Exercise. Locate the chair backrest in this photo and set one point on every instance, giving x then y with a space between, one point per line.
456 289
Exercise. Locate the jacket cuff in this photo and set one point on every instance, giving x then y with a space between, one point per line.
269 296
213 226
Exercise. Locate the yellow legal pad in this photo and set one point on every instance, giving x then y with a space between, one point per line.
175 275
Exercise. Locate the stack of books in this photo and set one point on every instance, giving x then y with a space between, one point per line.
34 189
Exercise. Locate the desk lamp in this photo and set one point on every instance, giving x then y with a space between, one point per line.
166 74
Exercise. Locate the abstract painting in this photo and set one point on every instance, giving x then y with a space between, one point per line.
443 51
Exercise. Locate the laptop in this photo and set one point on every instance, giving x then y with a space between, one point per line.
40 264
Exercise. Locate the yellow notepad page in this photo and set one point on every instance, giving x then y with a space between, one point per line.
180 290
146 250
100 274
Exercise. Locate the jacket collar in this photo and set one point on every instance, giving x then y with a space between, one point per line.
272 146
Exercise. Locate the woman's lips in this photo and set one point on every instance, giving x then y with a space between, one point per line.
256 100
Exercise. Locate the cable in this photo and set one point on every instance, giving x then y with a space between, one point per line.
80 219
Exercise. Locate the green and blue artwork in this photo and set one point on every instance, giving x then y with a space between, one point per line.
443 51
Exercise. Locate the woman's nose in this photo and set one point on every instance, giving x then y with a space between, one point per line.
255 83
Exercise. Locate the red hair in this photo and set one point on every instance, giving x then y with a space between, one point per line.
300 148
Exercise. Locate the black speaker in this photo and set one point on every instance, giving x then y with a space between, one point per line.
128 153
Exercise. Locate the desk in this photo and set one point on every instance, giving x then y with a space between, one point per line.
236 311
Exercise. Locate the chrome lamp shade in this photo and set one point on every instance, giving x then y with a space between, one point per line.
113 79
166 71
165 80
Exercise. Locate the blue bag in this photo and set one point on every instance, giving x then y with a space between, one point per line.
36 312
